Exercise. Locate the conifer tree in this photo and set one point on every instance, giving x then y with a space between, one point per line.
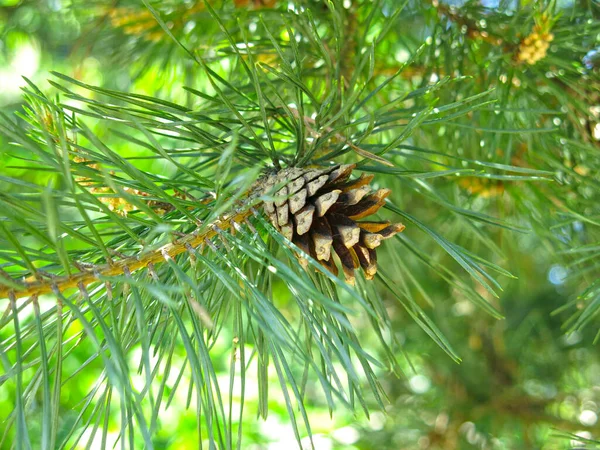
218 212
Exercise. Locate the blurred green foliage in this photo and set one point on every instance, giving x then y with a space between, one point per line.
523 382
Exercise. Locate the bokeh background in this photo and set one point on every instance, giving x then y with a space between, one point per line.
527 381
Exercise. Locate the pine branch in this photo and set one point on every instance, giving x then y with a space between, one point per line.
481 136
15 289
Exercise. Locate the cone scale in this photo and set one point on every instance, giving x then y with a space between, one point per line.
322 212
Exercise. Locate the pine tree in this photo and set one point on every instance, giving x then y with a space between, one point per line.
331 203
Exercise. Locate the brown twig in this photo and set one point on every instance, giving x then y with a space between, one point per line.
130 263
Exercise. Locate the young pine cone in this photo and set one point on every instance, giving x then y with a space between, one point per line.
318 210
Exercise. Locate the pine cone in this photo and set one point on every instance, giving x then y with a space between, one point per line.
318 210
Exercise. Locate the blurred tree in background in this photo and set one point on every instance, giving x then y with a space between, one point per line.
147 303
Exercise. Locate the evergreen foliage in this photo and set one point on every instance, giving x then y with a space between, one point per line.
148 302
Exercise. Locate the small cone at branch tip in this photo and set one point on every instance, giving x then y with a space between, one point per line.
319 210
